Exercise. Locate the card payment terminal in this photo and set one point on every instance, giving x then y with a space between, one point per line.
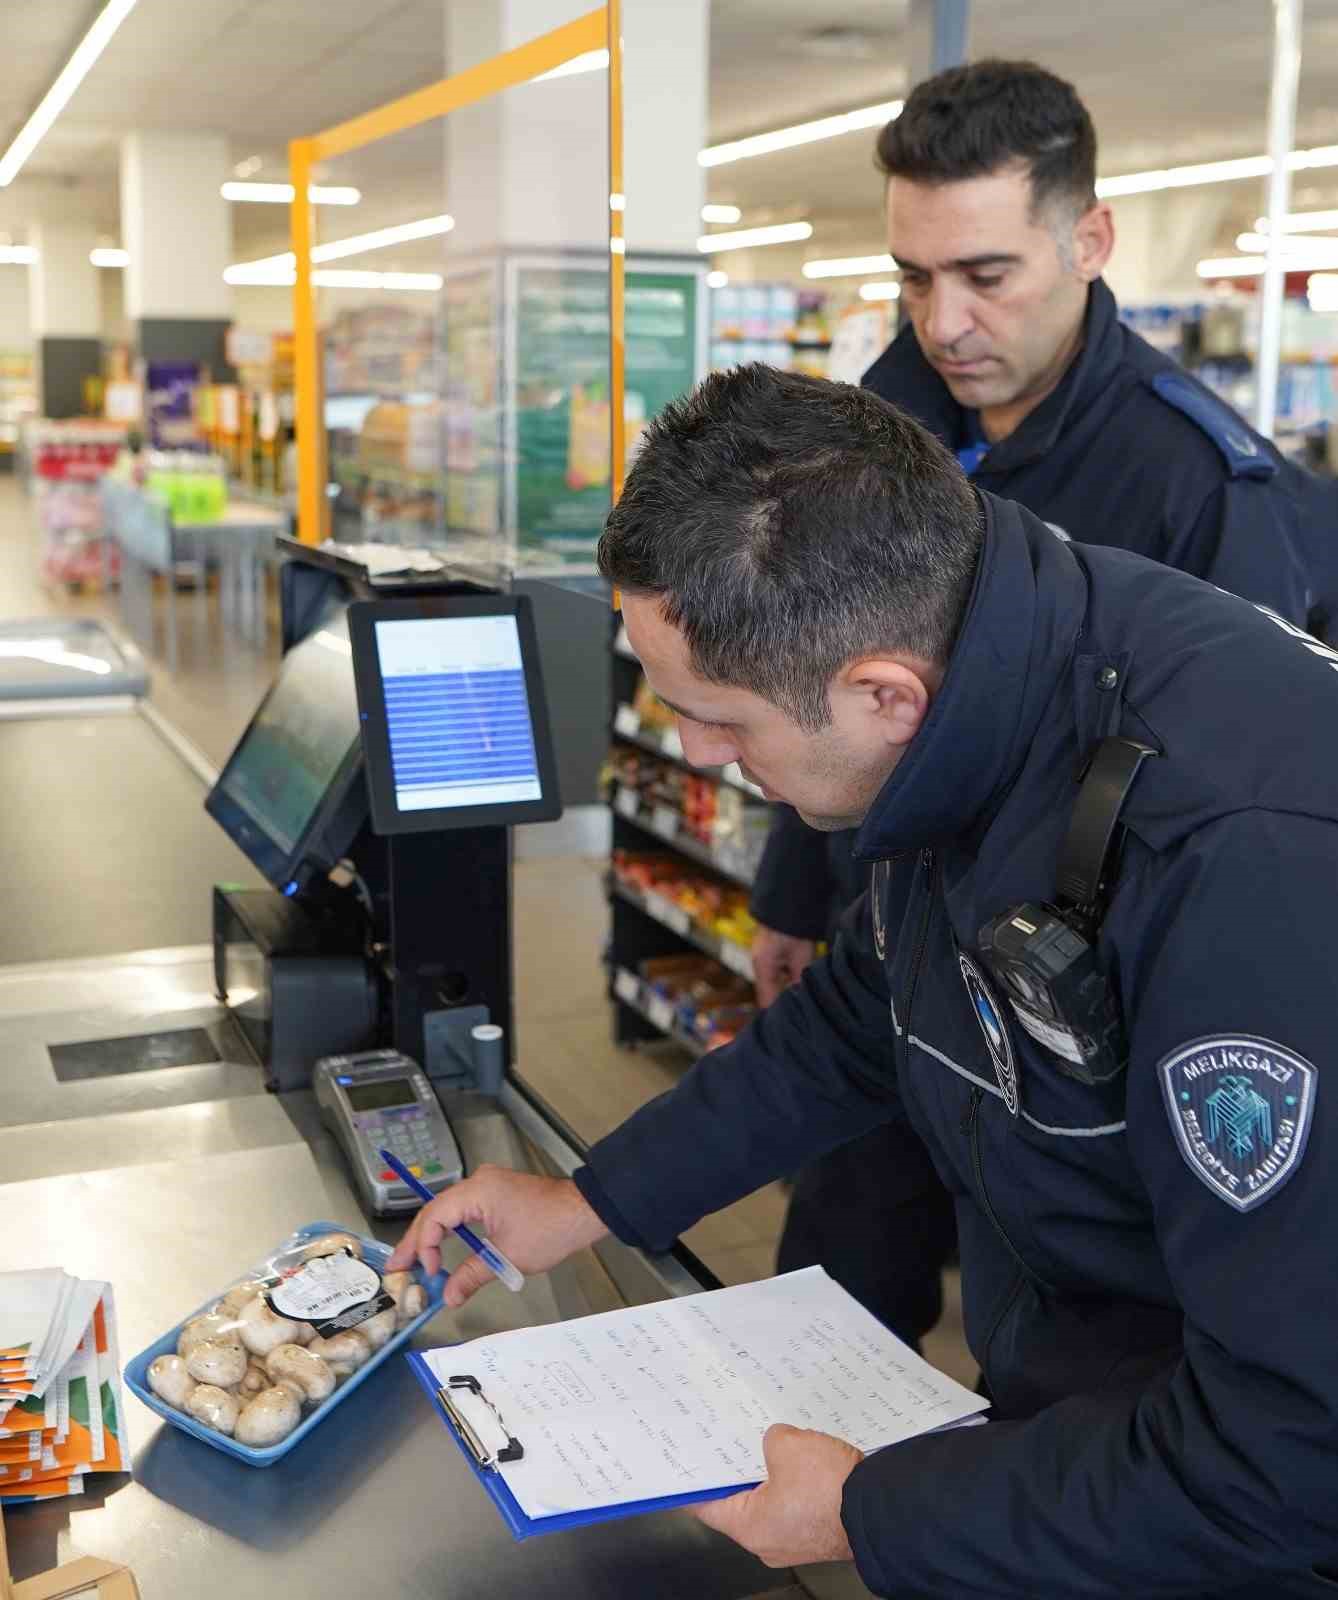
380 1099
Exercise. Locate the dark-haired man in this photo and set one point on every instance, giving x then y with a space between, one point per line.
1015 358
1149 1249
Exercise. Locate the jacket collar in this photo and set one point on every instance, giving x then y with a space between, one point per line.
903 376
1023 619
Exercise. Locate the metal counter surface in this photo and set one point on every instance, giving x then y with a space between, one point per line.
378 1500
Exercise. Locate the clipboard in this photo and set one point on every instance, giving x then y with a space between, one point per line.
482 1453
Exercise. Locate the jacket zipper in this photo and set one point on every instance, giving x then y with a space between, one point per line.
971 1127
930 865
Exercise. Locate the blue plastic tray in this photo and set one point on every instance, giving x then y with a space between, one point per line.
377 1254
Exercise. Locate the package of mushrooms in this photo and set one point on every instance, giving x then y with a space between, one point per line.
254 1369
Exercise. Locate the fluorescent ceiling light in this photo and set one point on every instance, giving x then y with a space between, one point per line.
762 144
282 193
880 291
17 255
57 97
717 280
849 267
378 240
276 273
725 214
591 61
749 238
1302 222
1257 244
1213 172
109 256
617 202
1314 256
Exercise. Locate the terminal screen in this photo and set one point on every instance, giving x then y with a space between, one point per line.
280 772
381 1094
457 712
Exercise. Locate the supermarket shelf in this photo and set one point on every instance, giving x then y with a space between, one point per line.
728 952
654 1008
627 727
663 824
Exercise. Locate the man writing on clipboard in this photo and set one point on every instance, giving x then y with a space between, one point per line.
1147 1233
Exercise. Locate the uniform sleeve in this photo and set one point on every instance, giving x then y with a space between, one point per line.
794 889
812 1072
1247 540
1218 1473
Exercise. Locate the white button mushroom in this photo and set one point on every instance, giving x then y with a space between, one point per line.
395 1283
255 1380
378 1330
216 1362
269 1418
170 1381
412 1303
260 1330
305 1334
329 1244
213 1406
342 1352
242 1295
213 1325
290 1363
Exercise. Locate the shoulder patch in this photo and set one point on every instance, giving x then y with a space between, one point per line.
1243 452
1241 1110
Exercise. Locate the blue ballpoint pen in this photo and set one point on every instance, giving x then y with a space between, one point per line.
484 1249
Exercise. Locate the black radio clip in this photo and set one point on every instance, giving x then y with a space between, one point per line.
1044 956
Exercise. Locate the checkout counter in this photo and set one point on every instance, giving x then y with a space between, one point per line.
181 1138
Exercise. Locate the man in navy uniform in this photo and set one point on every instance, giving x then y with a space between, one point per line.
1149 1253
1014 356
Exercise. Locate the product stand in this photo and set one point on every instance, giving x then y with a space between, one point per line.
641 929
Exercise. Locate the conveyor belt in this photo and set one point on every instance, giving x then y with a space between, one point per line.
104 843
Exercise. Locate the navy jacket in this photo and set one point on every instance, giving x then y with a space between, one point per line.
1148 1267
1129 451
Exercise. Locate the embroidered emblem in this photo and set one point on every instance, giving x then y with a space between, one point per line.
992 1025
1241 1109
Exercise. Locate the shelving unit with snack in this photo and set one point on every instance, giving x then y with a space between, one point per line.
686 844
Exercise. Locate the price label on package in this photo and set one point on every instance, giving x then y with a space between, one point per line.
627 722
661 1013
668 913
627 804
664 821
332 1292
627 986
736 958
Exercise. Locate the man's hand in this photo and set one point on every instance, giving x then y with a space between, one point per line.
778 961
794 1517
535 1221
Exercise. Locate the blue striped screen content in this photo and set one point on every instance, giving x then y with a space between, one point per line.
458 712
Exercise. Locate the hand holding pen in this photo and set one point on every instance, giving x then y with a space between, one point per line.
528 1222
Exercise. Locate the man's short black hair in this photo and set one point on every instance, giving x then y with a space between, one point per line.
790 526
975 120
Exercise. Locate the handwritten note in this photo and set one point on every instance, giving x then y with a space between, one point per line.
674 1398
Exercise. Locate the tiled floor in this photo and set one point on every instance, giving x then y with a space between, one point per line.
564 1046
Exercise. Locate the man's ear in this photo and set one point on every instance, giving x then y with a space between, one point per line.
1093 242
898 693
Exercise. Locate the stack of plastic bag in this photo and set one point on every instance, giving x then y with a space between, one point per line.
60 1385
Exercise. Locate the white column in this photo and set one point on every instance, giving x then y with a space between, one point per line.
66 294
66 304
176 226
528 168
